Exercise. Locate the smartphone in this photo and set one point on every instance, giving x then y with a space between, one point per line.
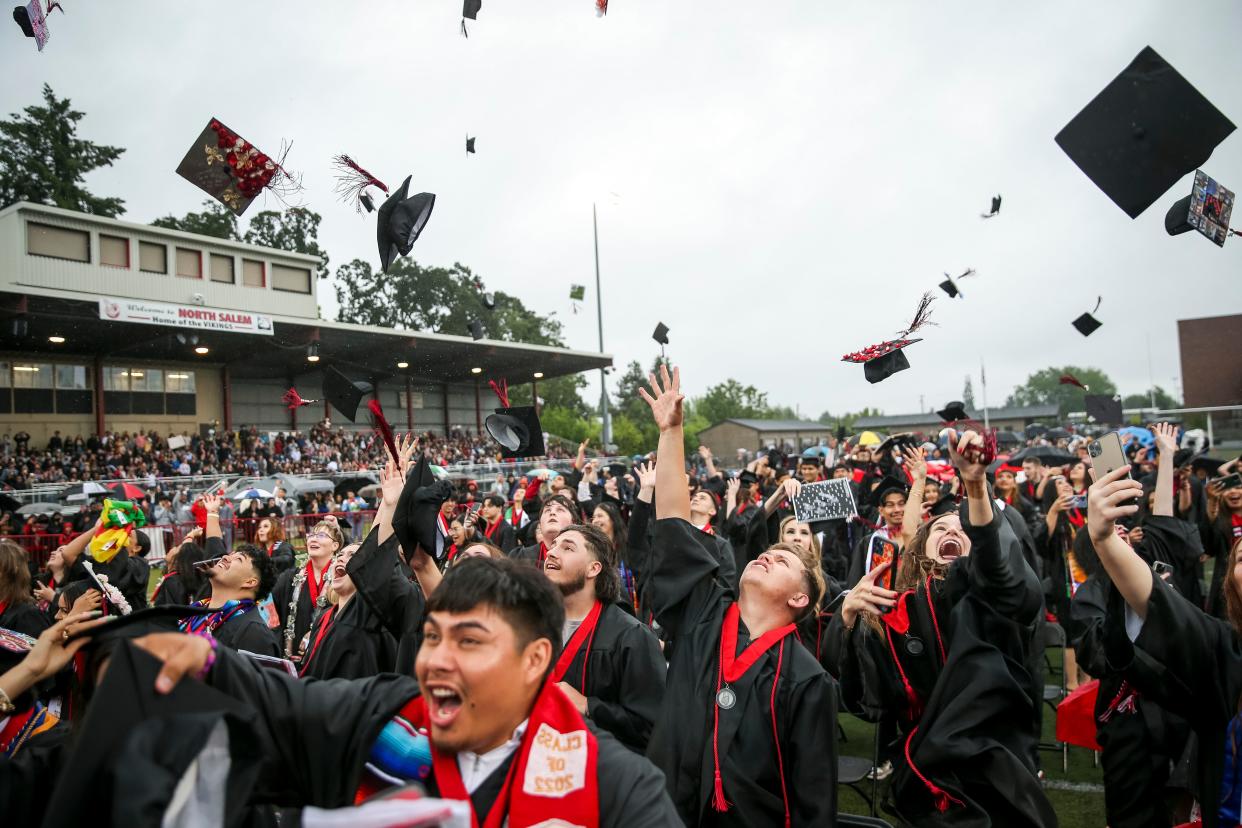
1107 454
1161 568
1229 481
1079 501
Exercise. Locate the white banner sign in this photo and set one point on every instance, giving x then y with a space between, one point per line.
195 317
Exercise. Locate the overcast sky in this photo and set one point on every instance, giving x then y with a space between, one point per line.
778 182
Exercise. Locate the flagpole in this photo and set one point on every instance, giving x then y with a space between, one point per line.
605 422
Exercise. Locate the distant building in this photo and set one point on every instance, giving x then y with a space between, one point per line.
1004 419
729 437
1211 360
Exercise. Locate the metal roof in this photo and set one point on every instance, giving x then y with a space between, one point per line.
779 425
1030 412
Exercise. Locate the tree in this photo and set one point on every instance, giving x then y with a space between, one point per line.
295 230
847 419
968 394
730 399
559 392
1045 388
42 160
441 299
1163 398
214 220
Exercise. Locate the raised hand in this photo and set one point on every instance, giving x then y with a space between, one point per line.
391 484
916 461
731 489
406 444
792 488
1112 497
646 475
666 404
52 652
211 502
963 449
1166 438
705 453
868 596
87 601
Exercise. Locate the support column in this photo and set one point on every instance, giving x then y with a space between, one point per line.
226 388
409 405
446 408
293 412
478 411
100 406
534 395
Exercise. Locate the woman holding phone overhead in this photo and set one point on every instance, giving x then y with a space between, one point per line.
946 650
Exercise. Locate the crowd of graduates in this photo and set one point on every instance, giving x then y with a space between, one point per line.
647 645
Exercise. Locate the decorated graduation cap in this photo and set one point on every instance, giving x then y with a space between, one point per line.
117 522
1207 209
1103 408
515 428
353 182
1147 129
996 203
949 285
887 358
1070 379
469 145
401 219
1087 324
33 21
953 412
232 170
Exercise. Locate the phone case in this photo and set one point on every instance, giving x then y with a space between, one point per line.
1110 455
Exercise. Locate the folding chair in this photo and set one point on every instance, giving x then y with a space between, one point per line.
1054 693
852 771
862 821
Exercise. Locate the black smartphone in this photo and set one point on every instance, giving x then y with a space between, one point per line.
1161 568
1229 481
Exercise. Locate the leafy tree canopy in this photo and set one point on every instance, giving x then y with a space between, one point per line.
214 220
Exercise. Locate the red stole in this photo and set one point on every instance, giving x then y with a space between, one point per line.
733 667
1236 523
515 517
328 618
552 777
315 584
442 524
585 634
489 529
543 552
707 529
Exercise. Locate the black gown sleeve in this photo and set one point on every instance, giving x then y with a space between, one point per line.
631 791
282 556
641 668
813 748
255 637
317 733
998 571
682 587
859 661
637 553
376 573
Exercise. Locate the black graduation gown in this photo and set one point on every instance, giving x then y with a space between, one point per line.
141 580
397 603
1217 539
690 604
282 595
624 677
1138 744
282 556
316 736
121 575
356 644
28 779
970 728
1177 543
1189 663
173 592
502 536
247 631
25 618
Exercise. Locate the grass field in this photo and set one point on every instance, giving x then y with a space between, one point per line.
1077 795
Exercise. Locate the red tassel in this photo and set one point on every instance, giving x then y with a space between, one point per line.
502 391
601 8
1070 379
352 180
293 399
719 802
381 425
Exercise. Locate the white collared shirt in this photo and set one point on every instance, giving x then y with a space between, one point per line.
475 767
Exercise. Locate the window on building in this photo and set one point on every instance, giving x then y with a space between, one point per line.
32 375
152 257
146 379
75 377
115 379
6 391
221 268
114 251
32 388
292 279
189 263
252 273
73 390
179 382
58 242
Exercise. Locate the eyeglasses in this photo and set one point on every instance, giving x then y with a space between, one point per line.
320 535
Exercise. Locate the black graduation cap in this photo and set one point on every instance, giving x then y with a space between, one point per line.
953 412
1208 465
661 334
517 430
886 485
617 470
776 459
996 203
944 506
809 460
747 478
344 393
470 9
950 287
1147 129
1087 323
1103 408
134 745
469 145
414 518
401 219
476 329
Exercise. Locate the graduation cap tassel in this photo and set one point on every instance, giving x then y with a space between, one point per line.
601 8
1098 299
380 424
294 400
1070 379
502 391
922 316
352 180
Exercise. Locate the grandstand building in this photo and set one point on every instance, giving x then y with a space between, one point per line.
107 325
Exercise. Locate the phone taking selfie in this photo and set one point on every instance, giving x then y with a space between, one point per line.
1229 481
1107 454
1161 568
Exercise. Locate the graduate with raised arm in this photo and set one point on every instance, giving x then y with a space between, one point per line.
747 734
946 650
1172 652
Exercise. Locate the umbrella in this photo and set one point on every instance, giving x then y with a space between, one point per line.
1008 438
8 503
816 451
1058 434
252 494
867 438
46 509
126 491
354 482
1035 430
997 463
1048 455
1144 437
369 492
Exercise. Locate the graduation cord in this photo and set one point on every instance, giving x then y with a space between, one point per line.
931 609
940 796
776 740
914 704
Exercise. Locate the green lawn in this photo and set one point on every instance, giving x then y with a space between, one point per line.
1075 809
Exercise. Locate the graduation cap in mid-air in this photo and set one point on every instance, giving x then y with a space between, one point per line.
33 21
884 359
1207 209
1104 408
414 517
401 219
953 412
476 329
1147 129
996 203
352 182
950 287
470 9
517 430
344 394
1087 324
469 145
232 170
661 333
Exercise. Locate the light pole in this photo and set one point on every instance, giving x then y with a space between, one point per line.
606 423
